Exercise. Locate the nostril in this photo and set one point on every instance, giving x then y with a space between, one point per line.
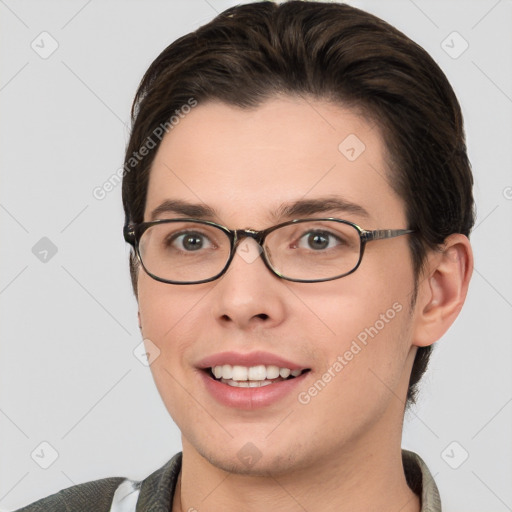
228 319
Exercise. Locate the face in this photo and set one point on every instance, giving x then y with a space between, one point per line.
351 336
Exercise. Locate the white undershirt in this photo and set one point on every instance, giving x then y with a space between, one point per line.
126 496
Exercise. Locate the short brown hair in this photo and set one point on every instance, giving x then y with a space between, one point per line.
330 51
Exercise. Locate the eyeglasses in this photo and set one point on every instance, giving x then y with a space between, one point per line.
191 251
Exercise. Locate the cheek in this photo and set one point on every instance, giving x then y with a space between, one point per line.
168 314
367 321
369 327
161 305
361 370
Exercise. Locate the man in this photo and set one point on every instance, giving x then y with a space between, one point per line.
298 197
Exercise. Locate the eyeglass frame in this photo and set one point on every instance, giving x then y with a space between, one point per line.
133 233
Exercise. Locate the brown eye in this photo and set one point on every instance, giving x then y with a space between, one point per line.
318 240
190 242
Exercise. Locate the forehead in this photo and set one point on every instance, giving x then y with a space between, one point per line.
248 163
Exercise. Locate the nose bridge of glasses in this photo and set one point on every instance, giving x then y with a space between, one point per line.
248 251
241 234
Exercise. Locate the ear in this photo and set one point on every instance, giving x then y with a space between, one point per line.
140 323
442 289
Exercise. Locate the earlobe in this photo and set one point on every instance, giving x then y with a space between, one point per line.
443 289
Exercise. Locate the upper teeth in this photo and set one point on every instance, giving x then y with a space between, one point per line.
260 372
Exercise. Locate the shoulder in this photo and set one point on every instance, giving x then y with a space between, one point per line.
98 495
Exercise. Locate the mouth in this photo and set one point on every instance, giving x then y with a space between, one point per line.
252 376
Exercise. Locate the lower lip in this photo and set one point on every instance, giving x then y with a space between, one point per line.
250 398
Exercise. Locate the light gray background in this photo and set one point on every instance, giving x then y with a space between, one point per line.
68 325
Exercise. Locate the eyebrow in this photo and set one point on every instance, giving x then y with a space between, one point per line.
176 206
300 208
305 207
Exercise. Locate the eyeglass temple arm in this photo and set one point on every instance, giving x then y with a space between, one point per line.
129 233
380 234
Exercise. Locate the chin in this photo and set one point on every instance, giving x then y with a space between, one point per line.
249 460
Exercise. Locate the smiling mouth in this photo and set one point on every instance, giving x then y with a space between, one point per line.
252 376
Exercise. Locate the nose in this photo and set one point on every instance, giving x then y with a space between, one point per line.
249 295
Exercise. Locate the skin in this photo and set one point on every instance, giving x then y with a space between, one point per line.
341 451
